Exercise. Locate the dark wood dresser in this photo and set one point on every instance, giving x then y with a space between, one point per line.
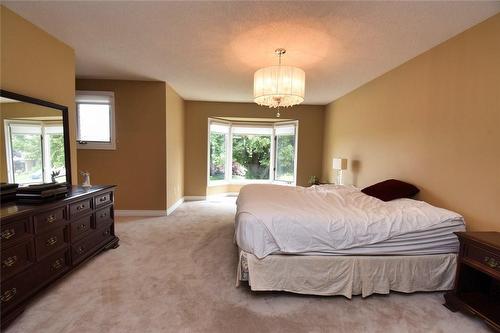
477 283
41 243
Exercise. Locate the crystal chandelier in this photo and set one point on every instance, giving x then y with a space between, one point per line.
279 86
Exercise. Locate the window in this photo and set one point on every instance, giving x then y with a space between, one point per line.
35 151
285 153
249 152
218 154
95 120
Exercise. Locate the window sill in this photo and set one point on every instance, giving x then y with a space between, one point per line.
247 182
96 146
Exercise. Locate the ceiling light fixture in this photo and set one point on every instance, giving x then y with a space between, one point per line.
279 86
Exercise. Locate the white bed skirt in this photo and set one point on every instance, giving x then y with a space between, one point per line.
347 275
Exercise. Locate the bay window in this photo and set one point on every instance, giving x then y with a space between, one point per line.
252 152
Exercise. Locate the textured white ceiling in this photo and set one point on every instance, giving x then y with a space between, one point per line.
210 50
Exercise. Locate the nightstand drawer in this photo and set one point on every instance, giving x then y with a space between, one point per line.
483 257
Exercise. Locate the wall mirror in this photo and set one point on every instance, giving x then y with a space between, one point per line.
34 141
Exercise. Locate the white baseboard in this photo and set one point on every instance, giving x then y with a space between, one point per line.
171 209
121 212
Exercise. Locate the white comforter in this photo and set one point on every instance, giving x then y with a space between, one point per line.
326 218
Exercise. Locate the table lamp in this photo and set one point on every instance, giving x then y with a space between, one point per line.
339 164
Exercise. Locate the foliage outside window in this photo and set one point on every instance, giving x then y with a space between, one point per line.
218 144
285 157
252 153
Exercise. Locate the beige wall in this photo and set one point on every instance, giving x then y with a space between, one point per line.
434 121
35 64
175 146
310 143
138 165
19 111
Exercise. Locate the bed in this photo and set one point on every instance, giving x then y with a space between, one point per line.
336 240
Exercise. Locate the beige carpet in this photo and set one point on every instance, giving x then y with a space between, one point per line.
177 274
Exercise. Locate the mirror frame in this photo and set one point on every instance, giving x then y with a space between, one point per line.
64 109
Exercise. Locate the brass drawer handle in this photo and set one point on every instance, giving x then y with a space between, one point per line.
51 241
105 233
80 207
7 234
57 264
80 250
82 227
491 262
102 199
51 218
10 261
8 295
103 215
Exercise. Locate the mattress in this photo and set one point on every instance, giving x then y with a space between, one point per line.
336 220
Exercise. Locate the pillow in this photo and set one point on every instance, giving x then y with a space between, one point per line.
391 189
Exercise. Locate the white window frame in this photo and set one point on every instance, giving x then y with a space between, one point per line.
229 153
229 144
8 145
101 97
295 123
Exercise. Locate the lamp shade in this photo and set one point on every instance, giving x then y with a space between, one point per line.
279 86
340 163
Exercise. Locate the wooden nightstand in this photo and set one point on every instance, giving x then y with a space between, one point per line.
477 283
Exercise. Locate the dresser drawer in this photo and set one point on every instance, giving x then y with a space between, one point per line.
86 246
49 219
14 231
103 199
50 241
16 289
16 258
52 266
483 257
80 227
103 217
80 207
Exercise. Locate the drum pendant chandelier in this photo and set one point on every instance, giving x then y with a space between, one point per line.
279 86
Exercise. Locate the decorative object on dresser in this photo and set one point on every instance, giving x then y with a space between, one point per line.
86 178
477 283
42 243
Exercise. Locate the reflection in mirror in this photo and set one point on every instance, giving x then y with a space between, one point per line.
32 143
